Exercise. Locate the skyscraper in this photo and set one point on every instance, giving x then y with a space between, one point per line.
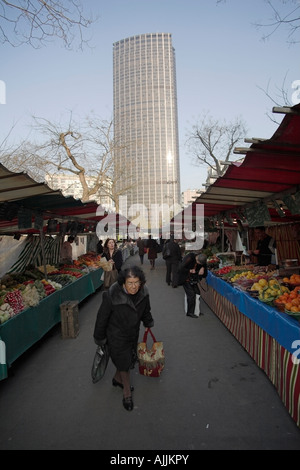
145 119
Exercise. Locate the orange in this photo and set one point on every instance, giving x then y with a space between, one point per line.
294 309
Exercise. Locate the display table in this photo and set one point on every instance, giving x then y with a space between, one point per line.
268 335
29 326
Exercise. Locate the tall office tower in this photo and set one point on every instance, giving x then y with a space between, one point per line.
145 120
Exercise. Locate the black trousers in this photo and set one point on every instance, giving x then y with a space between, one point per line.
191 291
171 274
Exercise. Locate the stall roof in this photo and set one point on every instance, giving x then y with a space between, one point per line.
270 170
19 190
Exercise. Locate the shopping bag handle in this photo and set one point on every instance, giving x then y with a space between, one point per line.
146 335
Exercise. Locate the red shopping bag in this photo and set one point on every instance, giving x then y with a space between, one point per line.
151 361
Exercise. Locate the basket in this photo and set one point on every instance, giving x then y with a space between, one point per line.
253 293
293 314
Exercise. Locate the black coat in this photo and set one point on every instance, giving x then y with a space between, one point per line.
175 251
117 257
118 320
153 248
265 253
189 262
141 246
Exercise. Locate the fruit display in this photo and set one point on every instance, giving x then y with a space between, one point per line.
48 267
89 260
264 284
271 290
289 302
294 280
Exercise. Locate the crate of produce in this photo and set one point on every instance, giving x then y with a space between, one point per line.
69 319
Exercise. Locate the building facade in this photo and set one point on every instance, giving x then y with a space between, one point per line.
146 121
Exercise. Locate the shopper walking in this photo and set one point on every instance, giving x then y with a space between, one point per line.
172 249
112 253
141 246
124 306
153 247
192 270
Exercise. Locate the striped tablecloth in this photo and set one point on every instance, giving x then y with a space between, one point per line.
279 361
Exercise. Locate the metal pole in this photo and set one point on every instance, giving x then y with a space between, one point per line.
43 253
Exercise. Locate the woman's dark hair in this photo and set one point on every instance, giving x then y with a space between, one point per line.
132 271
106 245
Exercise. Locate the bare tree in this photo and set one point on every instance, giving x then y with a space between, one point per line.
36 22
22 158
288 15
212 142
86 151
277 96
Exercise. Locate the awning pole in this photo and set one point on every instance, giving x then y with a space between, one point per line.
223 233
43 253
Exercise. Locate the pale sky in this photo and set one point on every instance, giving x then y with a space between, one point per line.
221 65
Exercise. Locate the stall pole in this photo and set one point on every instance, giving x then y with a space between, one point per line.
43 253
223 233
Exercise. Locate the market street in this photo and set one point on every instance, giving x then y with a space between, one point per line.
210 396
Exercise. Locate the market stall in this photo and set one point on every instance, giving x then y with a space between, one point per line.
266 333
28 324
262 190
34 221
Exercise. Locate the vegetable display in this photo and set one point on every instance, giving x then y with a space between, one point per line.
19 291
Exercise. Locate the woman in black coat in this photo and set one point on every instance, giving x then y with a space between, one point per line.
112 253
124 306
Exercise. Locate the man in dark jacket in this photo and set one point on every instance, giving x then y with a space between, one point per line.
172 249
265 247
141 246
192 269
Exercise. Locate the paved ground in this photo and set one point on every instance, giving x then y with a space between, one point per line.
211 395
